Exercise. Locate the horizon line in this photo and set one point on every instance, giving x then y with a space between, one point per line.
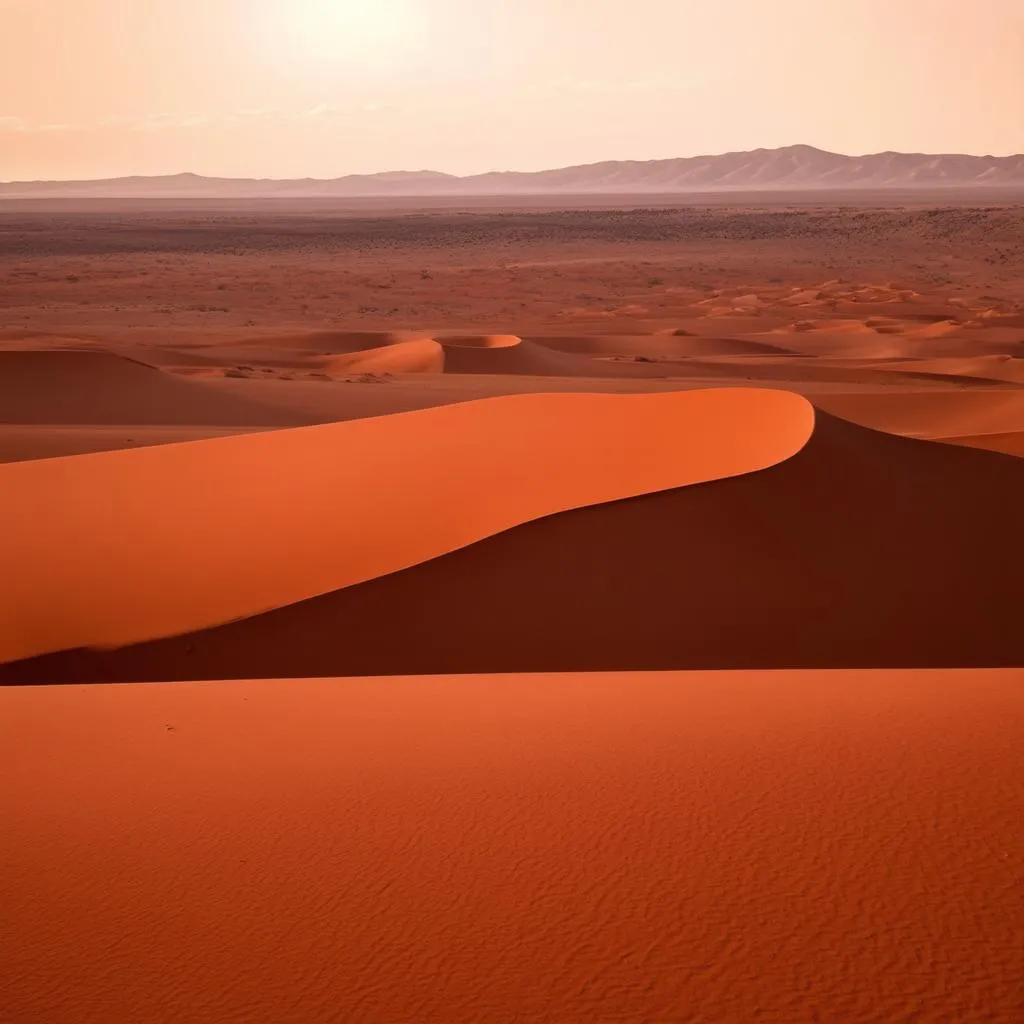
481 174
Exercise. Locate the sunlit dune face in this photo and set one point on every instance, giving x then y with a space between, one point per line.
349 31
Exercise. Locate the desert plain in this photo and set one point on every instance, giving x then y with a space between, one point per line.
572 610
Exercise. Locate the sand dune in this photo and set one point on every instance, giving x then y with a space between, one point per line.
111 548
331 342
863 550
97 388
421 356
480 340
840 846
992 367
1012 443
513 355
930 414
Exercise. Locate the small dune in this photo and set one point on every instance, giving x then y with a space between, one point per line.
995 367
932 415
516 356
423 355
480 340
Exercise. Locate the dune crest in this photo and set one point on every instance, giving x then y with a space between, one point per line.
118 547
419 356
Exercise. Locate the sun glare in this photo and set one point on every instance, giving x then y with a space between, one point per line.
352 29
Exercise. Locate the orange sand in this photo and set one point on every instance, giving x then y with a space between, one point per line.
787 847
268 519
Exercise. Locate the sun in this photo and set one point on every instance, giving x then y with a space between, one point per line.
352 30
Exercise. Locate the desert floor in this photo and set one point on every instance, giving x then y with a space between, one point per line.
592 611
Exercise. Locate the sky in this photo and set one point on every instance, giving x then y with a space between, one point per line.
322 88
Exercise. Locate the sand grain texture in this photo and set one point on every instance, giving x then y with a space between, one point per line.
836 846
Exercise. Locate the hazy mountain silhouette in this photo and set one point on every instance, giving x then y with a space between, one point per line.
792 167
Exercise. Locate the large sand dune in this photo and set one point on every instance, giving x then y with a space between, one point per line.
120 547
88 387
862 550
785 847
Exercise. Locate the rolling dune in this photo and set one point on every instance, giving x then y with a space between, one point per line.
89 387
329 342
421 356
862 550
992 367
120 547
931 415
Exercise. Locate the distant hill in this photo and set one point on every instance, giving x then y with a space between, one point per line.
792 167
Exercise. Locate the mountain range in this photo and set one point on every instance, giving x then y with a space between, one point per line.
791 167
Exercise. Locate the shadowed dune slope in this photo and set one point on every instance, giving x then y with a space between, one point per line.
88 387
119 547
862 550
729 847
421 356
660 346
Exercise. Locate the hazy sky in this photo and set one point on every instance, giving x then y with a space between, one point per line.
290 88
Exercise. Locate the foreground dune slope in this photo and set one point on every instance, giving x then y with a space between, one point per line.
863 550
834 846
118 547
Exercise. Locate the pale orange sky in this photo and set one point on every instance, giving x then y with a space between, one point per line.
293 88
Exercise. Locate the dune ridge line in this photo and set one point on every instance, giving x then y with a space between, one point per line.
108 549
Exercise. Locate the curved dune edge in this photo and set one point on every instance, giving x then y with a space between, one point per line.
1009 443
119 547
424 355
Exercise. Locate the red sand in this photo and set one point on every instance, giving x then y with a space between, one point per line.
783 847
269 519
709 847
